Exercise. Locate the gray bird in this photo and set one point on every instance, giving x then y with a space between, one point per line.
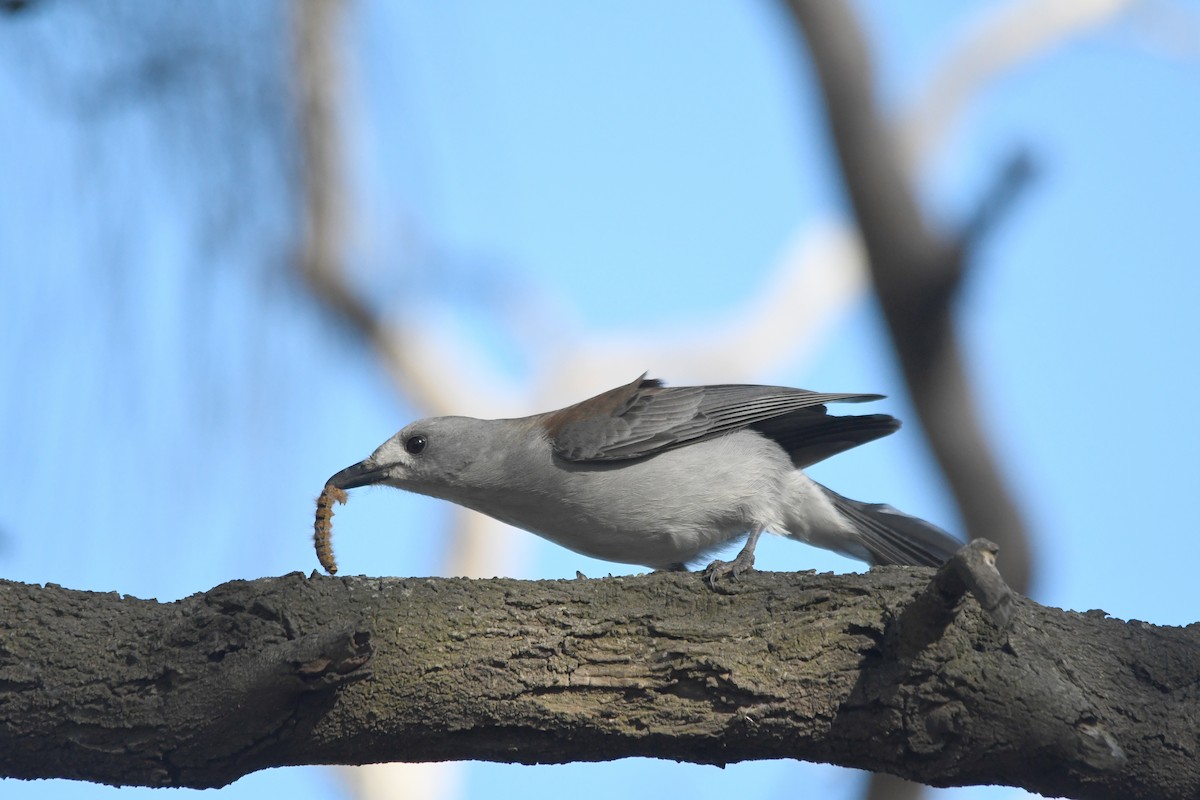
661 477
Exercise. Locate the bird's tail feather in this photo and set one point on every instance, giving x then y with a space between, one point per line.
893 537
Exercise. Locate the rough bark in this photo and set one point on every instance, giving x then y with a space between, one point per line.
882 671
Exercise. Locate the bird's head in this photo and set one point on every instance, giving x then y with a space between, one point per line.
439 456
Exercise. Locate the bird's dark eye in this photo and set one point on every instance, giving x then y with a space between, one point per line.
415 443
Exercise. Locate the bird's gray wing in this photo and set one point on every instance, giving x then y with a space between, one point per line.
643 417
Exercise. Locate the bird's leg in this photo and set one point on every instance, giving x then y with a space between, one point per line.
743 563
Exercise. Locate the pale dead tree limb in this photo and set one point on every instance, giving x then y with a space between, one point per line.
889 670
319 86
999 41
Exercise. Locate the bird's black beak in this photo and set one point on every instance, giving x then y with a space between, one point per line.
364 473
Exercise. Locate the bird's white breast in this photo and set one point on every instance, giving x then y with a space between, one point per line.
670 508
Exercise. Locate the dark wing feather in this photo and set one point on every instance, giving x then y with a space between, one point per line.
643 417
811 437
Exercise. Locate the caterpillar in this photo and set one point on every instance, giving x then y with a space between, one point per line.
323 526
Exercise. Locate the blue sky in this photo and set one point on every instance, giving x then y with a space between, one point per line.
171 407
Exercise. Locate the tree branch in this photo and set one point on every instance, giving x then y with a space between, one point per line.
884 671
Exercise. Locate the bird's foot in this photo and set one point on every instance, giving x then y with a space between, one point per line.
733 569
720 570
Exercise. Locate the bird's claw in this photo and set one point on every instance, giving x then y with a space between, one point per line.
719 570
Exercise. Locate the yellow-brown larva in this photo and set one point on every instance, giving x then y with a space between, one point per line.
323 526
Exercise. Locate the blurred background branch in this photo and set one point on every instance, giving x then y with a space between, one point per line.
916 272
